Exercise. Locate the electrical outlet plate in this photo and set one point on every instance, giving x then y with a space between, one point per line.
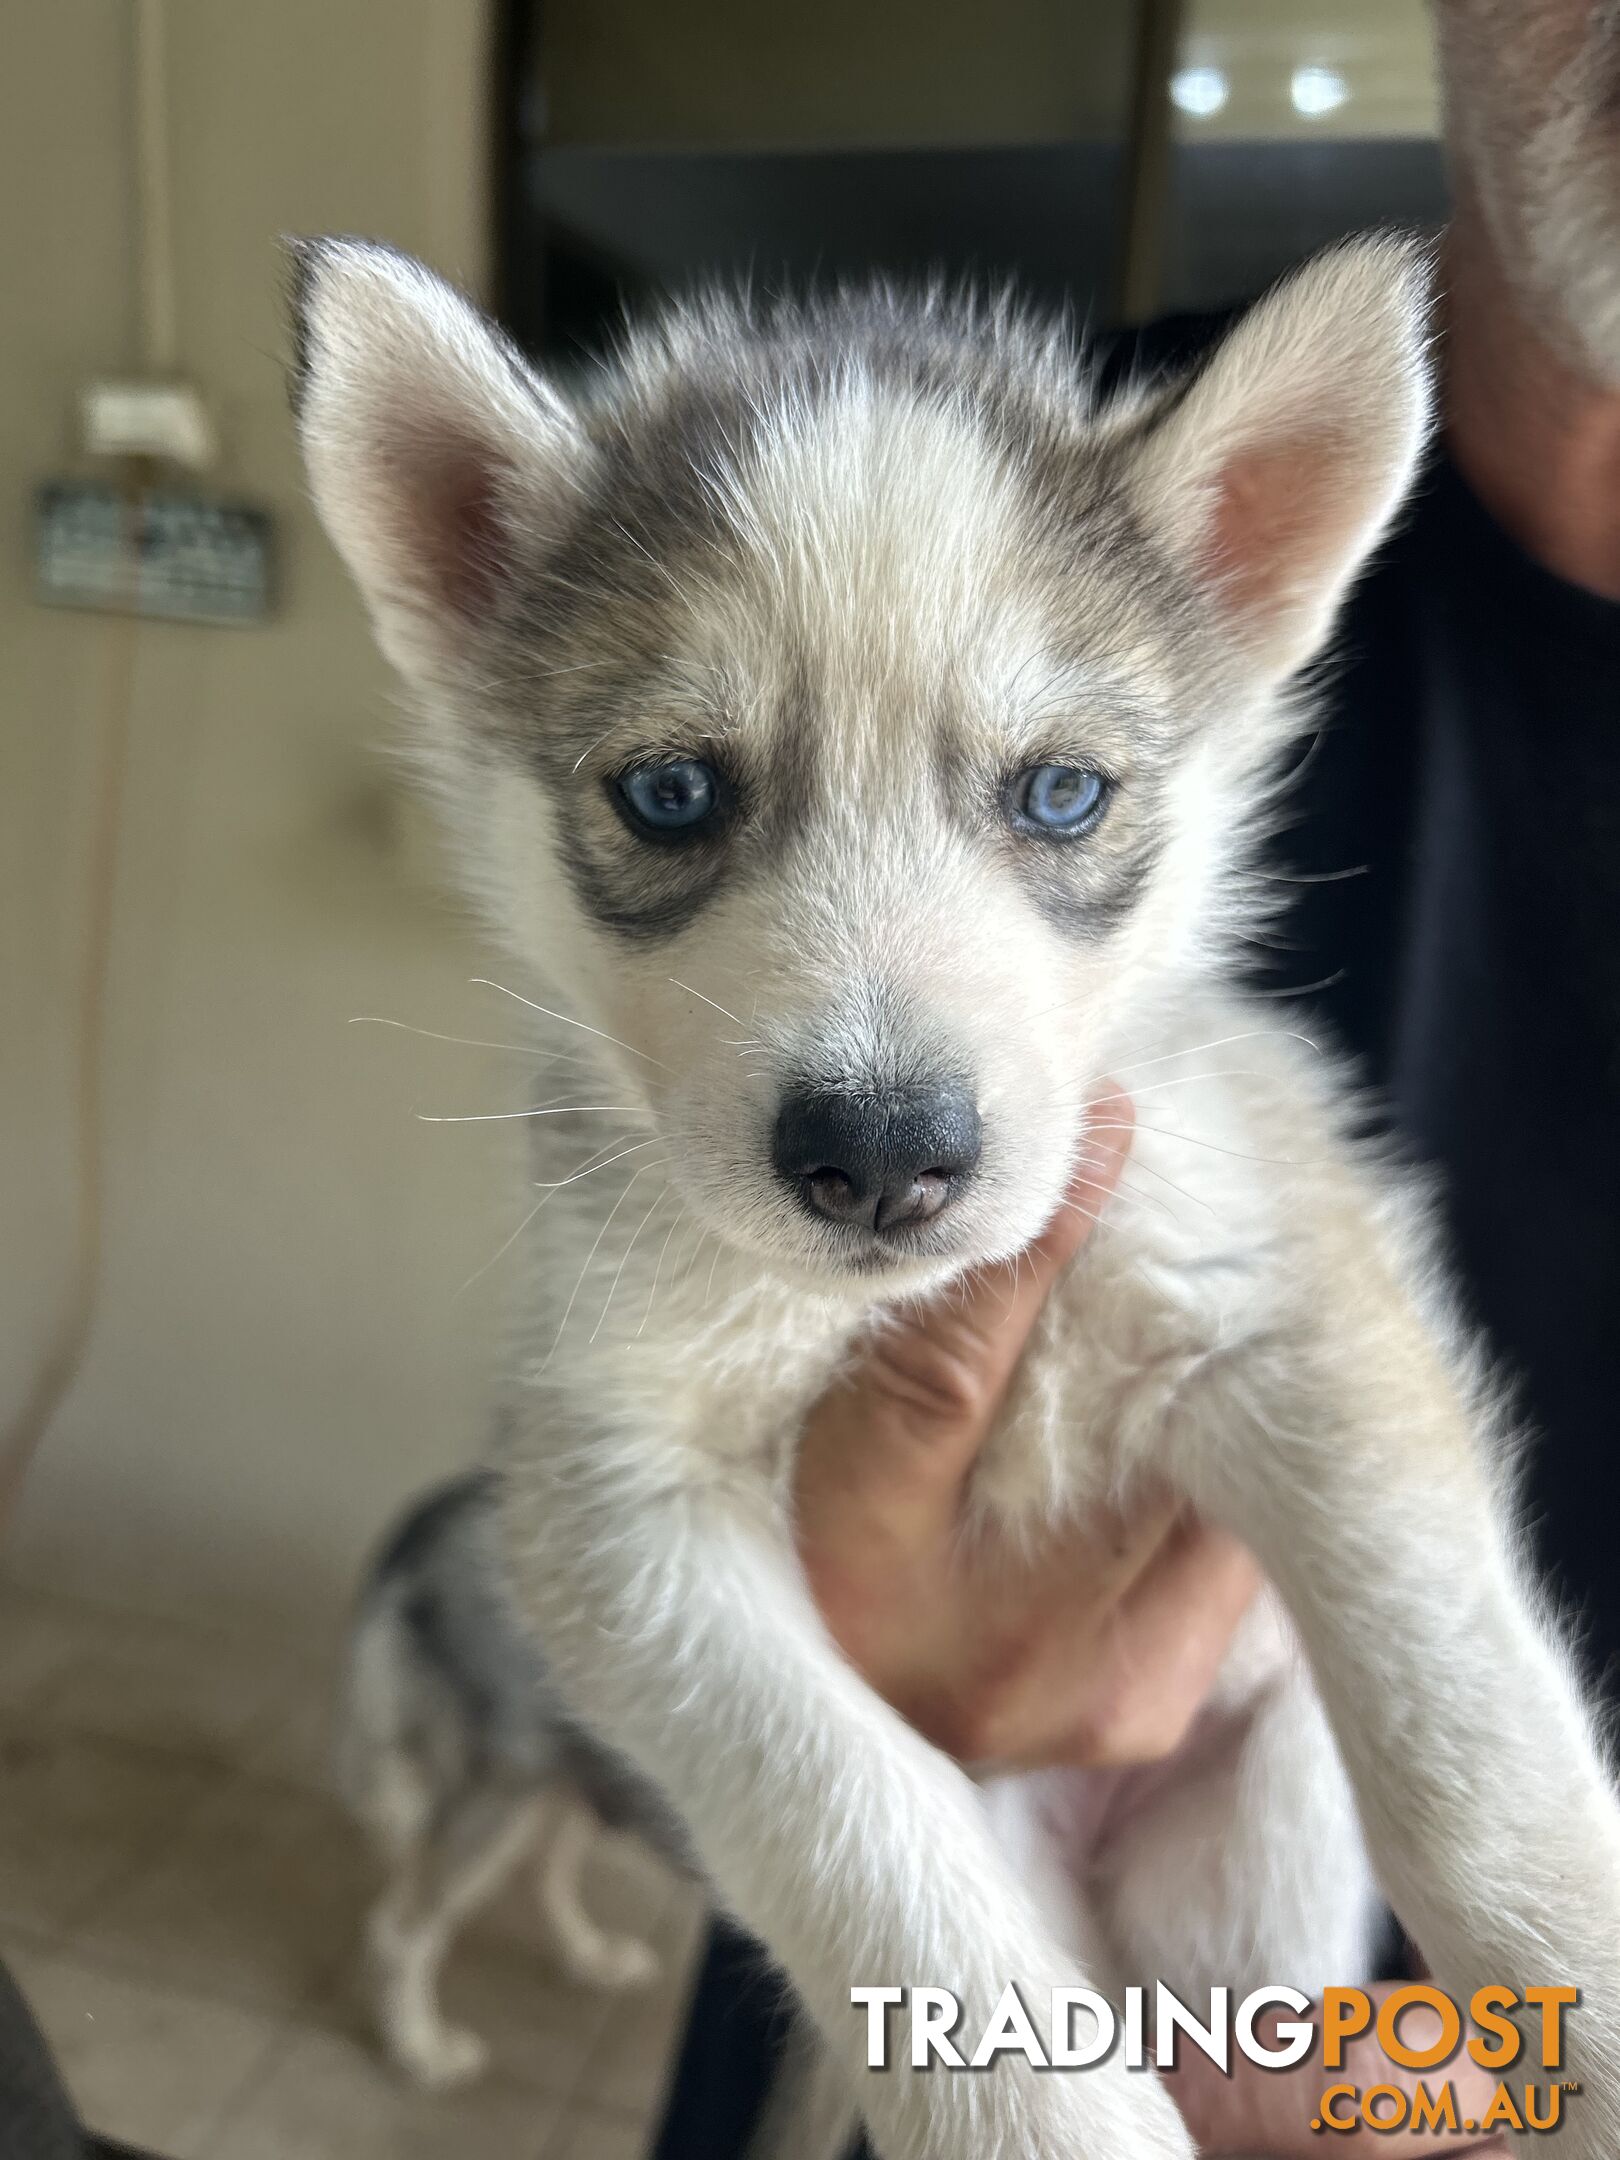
148 419
152 552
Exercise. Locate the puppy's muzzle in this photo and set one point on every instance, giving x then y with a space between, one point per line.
879 1162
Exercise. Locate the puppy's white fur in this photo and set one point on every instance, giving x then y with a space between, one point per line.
911 560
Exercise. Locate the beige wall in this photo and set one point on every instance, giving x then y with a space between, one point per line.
278 1351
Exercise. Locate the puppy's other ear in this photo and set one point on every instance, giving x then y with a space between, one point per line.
438 459
1272 473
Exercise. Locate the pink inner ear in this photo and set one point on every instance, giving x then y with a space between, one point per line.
1279 523
458 539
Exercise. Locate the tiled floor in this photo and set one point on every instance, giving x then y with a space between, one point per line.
180 1901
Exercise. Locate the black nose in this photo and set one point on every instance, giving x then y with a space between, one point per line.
878 1161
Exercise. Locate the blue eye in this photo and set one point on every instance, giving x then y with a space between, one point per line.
1059 798
674 797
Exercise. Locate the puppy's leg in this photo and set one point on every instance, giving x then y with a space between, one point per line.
1249 1869
856 1852
590 1954
1351 1467
469 1851
1246 1864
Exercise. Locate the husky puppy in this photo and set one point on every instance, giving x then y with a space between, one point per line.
862 739
456 1752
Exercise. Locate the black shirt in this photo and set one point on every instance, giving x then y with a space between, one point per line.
1468 779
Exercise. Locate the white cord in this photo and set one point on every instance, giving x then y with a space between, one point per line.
154 198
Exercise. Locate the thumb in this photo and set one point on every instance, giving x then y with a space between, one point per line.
904 1428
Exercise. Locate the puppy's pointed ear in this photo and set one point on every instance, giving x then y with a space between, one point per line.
438 459
1271 474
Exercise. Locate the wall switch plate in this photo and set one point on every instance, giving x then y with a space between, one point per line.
150 552
148 419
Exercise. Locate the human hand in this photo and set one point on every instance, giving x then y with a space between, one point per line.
1099 1651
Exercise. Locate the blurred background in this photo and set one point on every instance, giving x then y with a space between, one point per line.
247 1305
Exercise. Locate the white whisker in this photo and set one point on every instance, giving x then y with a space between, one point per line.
1074 1208
483 982
1148 1170
720 1009
557 1184
618 1273
591 1161
1130 1199
692 1257
1221 1042
596 745
663 1253
694 1253
467 1042
1169 1132
502 1249
1323 982
502 1117
596 1243
1157 1087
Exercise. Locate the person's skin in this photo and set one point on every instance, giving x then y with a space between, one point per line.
1530 273
1101 1653
1552 479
